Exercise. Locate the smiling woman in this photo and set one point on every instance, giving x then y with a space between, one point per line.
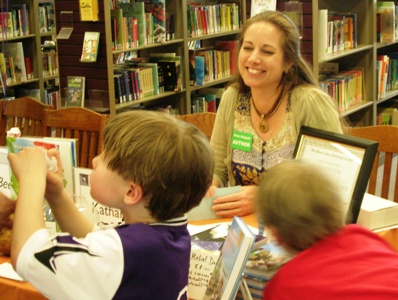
276 93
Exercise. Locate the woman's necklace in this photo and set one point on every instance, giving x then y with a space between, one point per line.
263 127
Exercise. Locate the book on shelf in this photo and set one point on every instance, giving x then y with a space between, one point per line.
386 12
157 10
90 46
199 70
88 10
17 62
136 10
172 69
75 91
233 48
258 6
226 277
117 28
21 17
46 17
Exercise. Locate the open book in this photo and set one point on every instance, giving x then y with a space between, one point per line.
225 280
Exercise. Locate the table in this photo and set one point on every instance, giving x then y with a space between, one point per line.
15 290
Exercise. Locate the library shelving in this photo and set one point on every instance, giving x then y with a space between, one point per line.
181 99
362 56
37 37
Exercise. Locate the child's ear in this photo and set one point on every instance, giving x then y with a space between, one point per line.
133 194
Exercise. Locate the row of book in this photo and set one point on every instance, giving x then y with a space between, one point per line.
386 21
144 77
50 61
346 88
337 32
46 17
15 22
388 114
207 65
386 73
15 67
210 19
140 23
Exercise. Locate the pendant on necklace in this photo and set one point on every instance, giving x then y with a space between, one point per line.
263 125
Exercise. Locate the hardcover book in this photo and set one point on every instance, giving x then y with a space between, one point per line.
225 280
75 91
67 150
90 46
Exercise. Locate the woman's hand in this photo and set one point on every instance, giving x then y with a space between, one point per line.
7 208
239 204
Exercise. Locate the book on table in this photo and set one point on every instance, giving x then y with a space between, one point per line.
226 277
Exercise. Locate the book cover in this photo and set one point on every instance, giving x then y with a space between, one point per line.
88 10
235 251
199 70
5 186
90 46
94 211
258 6
386 9
67 150
75 90
265 260
17 61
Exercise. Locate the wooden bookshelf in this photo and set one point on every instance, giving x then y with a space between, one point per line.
33 42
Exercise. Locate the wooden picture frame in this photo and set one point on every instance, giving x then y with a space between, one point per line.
348 160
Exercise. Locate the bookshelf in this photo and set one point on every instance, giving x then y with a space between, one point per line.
39 48
362 56
181 99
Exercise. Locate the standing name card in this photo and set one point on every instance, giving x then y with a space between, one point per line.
347 160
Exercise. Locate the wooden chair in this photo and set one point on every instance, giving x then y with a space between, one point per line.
26 113
203 121
80 123
387 137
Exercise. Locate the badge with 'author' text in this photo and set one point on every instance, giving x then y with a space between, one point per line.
242 141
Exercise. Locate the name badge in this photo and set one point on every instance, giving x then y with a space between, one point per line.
242 141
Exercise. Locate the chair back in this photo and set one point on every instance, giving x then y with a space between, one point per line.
79 123
387 137
26 113
203 121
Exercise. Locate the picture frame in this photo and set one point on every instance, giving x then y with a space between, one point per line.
347 159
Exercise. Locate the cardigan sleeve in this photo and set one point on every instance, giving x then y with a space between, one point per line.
222 133
314 108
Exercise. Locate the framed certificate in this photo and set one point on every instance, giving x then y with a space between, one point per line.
346 159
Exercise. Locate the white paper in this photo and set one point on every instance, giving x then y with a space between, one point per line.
7 271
